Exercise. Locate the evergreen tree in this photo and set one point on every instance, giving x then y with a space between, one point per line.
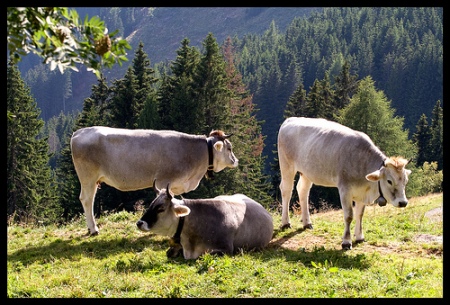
95 108
31 190
369 111
145 107
164 100
319 100
422 140
210 86
345 86
437 135
296 103
58 129
124 103
179 109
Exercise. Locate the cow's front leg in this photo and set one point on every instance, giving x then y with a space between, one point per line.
359 212
175 250
303 187
346 204
286 186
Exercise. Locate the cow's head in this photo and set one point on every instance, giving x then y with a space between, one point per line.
223 155
392 179
162 215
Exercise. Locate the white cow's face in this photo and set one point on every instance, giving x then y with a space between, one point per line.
394 183
393 179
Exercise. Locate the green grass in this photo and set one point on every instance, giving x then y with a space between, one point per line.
122 262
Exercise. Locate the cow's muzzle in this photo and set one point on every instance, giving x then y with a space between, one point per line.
142 225
402 204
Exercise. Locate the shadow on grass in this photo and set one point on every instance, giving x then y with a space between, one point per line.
97 248
323 258
90 247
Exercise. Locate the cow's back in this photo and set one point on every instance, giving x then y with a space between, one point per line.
256 231
255 225
131 159
241 219
323 150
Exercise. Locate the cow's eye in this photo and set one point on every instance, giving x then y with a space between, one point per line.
390 182
160 210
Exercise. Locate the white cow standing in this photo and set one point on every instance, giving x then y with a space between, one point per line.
329 154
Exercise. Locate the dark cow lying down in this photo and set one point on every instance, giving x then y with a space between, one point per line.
220 225
131 159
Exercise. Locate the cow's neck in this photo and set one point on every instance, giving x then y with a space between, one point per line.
176 237
209 173
381 200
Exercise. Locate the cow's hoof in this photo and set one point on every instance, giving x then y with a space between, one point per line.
346 246
358 241
308 226
286 226
174 251
88 234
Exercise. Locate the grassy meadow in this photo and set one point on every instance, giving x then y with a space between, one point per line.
401 258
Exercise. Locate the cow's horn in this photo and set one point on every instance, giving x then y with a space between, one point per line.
167 191
154 187
228 135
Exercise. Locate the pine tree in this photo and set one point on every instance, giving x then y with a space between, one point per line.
319 99
31 190
95 108
124 102
296 103
179 109
437 129
211 86
422 140
345 86
145 107
369 111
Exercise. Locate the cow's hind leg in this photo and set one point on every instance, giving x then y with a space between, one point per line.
87 196
286 186
359 212
303 187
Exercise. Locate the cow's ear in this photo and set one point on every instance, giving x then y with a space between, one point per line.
181 210
373 176
218 145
